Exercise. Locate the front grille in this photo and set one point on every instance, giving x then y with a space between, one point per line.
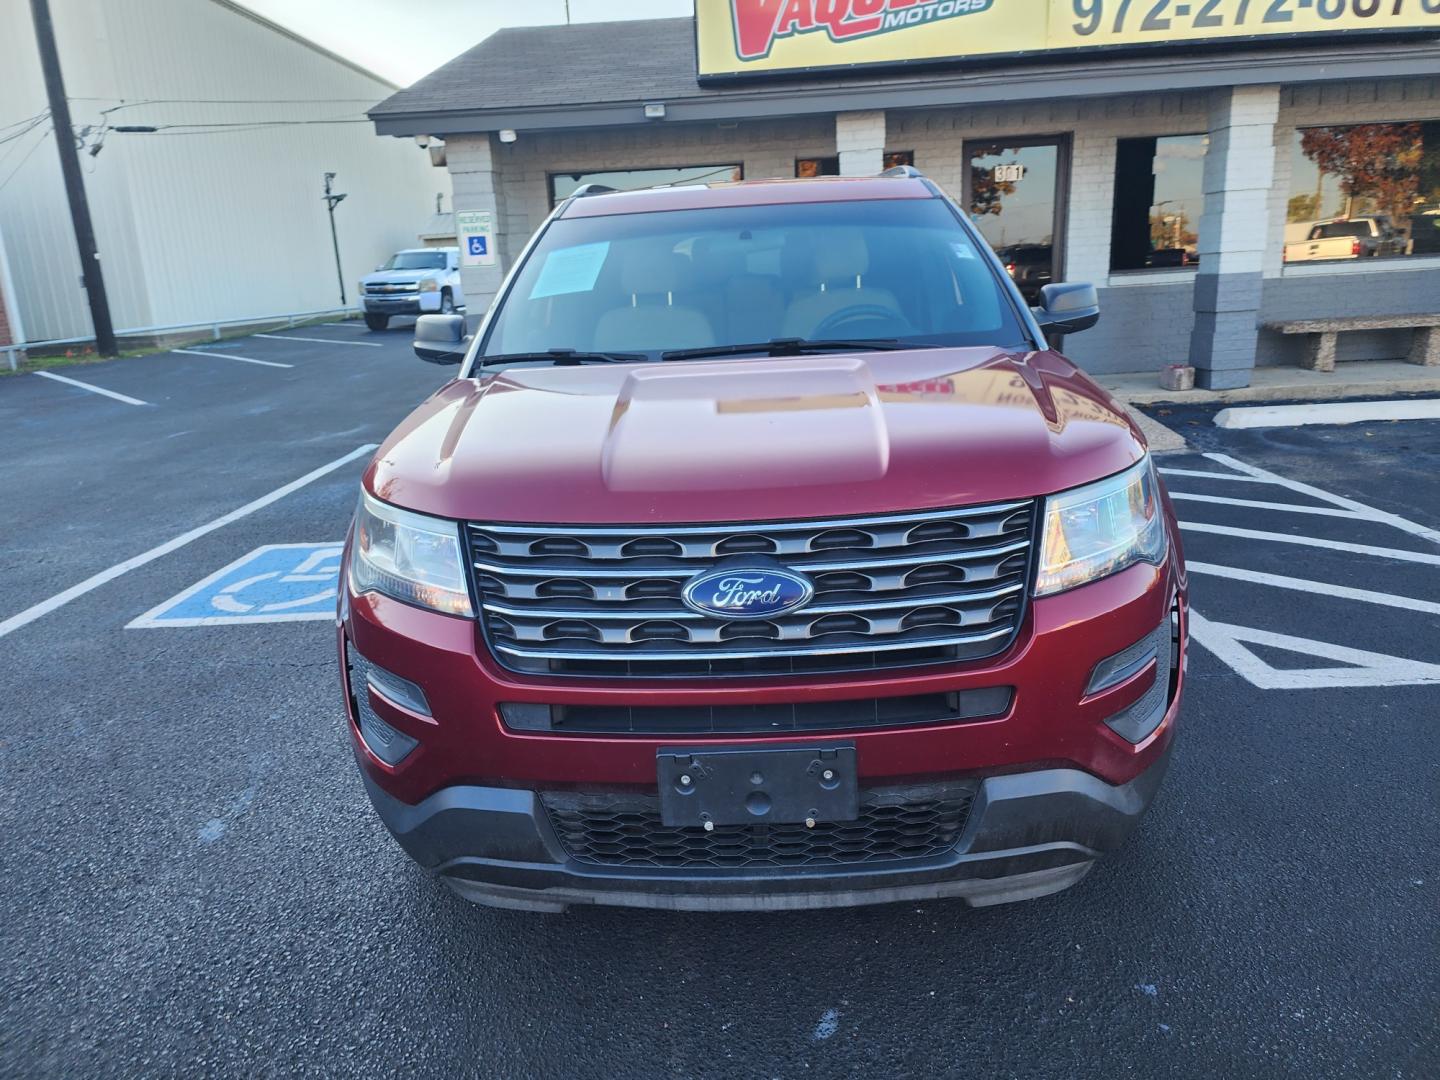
957 706
894 824
392 288
892 590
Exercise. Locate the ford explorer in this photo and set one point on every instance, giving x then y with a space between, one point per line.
763 554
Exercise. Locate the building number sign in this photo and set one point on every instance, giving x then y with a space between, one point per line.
1009 173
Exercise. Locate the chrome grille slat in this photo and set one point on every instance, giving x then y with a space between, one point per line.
539 570
915 587
600 612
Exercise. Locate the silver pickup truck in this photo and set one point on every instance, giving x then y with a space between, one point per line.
1347 238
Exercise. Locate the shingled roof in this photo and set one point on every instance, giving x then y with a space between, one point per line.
525 66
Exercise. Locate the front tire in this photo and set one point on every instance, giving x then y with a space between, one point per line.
377 322
447 302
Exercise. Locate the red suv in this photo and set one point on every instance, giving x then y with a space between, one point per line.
762 555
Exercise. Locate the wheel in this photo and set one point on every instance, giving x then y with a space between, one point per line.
377 322
447 302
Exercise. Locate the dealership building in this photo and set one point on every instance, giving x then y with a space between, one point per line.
1221 170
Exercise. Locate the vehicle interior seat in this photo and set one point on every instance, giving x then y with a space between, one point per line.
651 317
742 307
838 264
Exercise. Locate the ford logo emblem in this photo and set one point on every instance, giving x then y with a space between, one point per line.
747 593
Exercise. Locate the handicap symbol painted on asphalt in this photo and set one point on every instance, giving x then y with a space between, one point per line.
274 583
477 245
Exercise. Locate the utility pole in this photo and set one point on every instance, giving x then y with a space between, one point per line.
332 201
74 184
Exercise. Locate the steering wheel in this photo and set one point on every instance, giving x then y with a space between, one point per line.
838 323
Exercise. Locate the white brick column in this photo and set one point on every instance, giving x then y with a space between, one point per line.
1239 172
474 173
1092 194
860 142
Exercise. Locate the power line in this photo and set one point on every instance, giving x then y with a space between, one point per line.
21 163
225 101
34 123
28 120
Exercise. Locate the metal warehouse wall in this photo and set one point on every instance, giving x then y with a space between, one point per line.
197 226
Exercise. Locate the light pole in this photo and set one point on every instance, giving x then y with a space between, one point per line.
331 201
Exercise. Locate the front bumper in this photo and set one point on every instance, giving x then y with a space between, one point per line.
403 304
1027 835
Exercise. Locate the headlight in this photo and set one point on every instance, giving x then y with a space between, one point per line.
411 557
1100 529
429 284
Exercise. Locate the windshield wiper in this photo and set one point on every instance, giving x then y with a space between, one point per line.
564 357
792 347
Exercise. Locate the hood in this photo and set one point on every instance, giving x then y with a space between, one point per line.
754 440
387 277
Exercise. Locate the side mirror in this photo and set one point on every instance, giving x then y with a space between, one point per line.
441 339
1067 308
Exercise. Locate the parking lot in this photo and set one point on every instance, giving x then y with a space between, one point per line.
196 884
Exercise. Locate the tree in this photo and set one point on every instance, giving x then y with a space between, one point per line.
1377 162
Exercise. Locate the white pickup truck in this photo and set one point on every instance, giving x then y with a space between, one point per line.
412 282
1347 238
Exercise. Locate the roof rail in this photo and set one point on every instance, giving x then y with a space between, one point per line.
591 189
907 172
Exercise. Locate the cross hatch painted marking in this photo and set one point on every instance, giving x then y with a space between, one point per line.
1230 643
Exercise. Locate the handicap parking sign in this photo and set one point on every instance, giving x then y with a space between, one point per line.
274 583
477 245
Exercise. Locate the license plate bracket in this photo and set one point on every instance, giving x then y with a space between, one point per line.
757 785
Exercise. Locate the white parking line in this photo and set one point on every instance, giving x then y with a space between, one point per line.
320 340
1313 541
1344 592
35 611
93 389
1256 504
230 356
1362 667
1205 474
1403 524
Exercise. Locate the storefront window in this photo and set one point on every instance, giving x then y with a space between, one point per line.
805 168
563 184
830 166
1364 191
1159 197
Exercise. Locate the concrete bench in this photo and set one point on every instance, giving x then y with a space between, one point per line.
1320 348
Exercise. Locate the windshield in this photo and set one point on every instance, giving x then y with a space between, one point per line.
697 279
415 260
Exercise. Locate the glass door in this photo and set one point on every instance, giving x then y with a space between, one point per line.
1014 190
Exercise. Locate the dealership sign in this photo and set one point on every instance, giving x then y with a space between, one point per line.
740 37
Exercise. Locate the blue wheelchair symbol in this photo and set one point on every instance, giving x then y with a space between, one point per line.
274 583
477 245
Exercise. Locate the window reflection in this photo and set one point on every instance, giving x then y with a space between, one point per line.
1159 197
1012 201
1364 191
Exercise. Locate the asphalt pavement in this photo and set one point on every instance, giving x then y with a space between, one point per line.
195 884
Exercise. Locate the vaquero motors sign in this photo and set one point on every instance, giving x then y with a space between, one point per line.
742 37
759 23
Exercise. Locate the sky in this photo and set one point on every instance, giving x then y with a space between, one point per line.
405 39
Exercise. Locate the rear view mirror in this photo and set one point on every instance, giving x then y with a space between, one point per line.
441 339
1067 308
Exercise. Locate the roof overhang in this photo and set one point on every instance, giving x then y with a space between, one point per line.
1032 82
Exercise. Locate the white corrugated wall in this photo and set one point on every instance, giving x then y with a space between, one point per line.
197 226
